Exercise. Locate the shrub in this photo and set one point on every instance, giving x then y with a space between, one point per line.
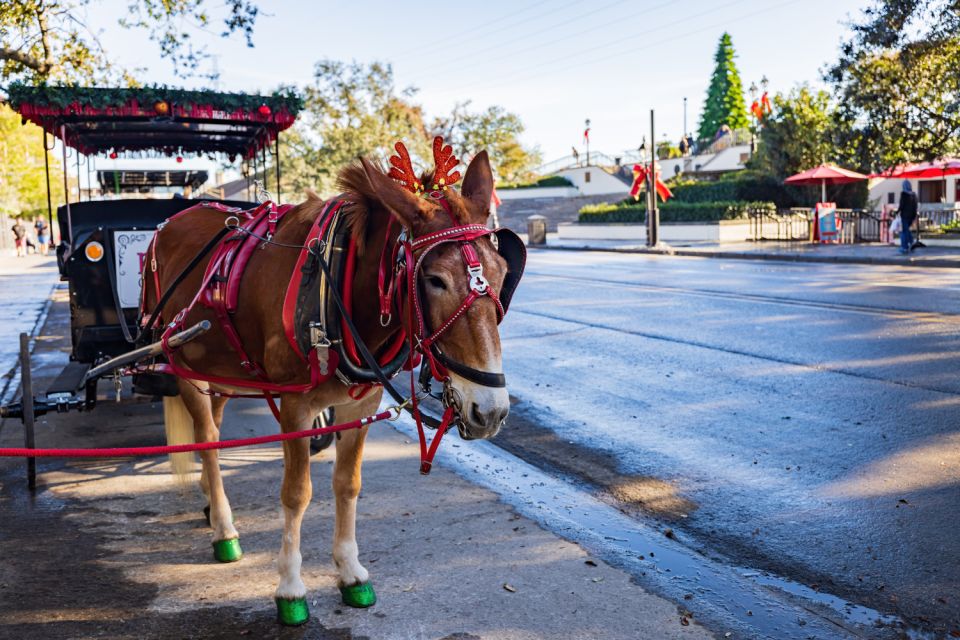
672 211
549 181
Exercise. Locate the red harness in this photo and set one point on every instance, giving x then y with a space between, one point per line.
220 286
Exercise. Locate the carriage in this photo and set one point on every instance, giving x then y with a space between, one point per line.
104 229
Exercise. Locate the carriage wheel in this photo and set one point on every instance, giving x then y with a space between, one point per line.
26 400
321 442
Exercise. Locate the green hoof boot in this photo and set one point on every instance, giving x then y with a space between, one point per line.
292 613
360 596
227 550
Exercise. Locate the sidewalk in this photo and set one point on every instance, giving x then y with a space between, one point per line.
873 253
125 552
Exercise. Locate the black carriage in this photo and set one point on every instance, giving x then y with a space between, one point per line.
103 240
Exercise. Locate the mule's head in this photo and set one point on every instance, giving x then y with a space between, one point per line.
469 342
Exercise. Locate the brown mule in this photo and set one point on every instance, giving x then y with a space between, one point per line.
472 340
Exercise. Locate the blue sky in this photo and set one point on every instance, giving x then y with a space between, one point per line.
553 62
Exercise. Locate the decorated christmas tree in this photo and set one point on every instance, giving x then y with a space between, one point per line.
724 104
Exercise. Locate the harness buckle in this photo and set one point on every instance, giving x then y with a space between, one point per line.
477 282
321 344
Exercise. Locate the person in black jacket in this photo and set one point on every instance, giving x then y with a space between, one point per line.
908 213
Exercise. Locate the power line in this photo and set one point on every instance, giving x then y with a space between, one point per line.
501 82
579 33
437 44
548 28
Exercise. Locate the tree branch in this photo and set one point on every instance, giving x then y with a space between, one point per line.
26 60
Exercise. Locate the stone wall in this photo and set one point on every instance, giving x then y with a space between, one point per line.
513 213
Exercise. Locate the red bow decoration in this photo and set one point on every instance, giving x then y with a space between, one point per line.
640 175
444 173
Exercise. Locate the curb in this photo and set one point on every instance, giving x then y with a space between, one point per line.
749 255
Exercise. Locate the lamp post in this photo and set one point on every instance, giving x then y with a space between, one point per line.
753 116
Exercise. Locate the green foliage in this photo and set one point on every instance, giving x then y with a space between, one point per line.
666 151
496 130
724 104
672 211
23 186
50 41
353 110
748 186
101 98
799 135
897 84
951 227
549 181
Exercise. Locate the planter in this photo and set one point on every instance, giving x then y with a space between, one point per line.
716 232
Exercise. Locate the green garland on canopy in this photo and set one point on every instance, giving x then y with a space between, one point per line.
62 96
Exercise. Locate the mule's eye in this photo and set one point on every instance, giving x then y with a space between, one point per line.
436 282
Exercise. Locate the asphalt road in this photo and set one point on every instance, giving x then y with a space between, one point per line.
800 419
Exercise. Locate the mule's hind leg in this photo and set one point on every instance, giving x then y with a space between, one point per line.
217 404
355 587
296 413
206 420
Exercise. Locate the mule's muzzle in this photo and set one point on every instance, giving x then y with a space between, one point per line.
482 423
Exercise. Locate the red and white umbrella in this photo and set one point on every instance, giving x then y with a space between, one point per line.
823 175
931 170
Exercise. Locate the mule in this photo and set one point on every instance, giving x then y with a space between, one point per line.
374 206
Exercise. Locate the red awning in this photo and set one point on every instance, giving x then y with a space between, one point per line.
932 169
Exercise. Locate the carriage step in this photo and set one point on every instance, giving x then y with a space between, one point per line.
70 379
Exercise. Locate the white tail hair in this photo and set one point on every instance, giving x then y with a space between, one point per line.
178 424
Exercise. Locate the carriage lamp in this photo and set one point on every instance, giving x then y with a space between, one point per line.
93 251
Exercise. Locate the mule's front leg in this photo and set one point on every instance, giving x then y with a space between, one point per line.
355 587
295 494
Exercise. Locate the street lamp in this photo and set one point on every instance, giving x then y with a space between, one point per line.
586 138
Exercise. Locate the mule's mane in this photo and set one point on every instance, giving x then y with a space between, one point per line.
356 187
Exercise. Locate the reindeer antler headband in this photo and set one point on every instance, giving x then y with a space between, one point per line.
401 168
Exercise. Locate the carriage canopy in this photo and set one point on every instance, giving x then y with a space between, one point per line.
169 121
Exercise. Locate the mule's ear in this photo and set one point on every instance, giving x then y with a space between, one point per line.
478 183
410 210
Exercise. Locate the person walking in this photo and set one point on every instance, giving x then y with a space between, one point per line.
908 213
19 237
43 237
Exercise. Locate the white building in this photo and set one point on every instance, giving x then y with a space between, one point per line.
931 193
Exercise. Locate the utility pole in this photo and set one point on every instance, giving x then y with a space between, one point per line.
586 138
653 214
684 118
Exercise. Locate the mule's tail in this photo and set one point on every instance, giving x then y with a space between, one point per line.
178 424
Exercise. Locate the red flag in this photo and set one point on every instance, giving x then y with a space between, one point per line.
586 134
765 103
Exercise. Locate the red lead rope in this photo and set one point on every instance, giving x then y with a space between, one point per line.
117 452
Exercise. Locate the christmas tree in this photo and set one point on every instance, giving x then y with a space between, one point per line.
724 104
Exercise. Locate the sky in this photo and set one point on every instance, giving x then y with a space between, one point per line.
555 63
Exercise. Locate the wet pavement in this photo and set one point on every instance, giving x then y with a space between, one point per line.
794 418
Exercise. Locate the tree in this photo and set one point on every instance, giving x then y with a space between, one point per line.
23 187
353 109
897 84
724 104
50 40
496 130
798 135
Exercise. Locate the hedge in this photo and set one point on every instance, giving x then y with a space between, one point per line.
549 181
672 211
754 186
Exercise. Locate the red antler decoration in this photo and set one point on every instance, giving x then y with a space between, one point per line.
402 169
444 162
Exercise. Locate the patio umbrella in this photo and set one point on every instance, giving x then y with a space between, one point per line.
823 175
933 169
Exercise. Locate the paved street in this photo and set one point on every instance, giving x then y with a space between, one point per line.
765 449
796 418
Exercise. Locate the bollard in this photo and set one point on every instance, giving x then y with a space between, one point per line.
536 230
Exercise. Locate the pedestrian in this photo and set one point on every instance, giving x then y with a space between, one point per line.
43 237
908 213
19 237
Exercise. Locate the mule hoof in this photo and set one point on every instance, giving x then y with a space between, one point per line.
227 550
360 596
292 612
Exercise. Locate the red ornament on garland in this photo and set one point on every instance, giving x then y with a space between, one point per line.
179 158
264 110
161 107
113 155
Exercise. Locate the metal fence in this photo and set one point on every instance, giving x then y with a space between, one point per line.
792 225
